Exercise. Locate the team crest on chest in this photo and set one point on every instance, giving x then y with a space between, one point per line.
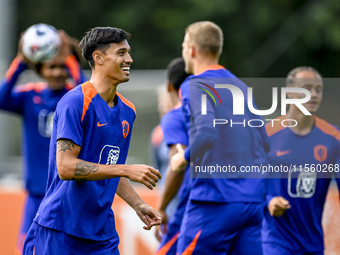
126 128
320 153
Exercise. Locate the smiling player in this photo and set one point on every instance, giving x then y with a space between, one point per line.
89 146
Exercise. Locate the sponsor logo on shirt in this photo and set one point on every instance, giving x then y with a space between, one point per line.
109 155
304 185
282 153
100 125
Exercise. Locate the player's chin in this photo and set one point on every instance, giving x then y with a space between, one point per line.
313 109
188 69
56 85
125 78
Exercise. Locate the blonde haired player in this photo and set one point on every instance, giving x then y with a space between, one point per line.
224 212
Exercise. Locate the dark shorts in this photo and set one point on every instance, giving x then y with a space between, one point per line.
168 245
42 241
272 249
221 228
30 210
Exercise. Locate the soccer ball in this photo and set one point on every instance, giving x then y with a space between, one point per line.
40 43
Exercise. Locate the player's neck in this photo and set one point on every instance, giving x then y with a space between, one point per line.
305 122
105 88
201 62
174 98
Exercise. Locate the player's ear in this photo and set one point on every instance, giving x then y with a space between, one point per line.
192 50
169 87
292 84
98 57
289 95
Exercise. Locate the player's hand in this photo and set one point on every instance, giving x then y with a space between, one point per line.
144 174
178 161
161 230
65 49
20 54
149 216
277 206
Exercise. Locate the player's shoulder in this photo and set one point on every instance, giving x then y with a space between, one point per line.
175 113
187 80
215 71
75 98
216 75
74 95
166 119
77 101
70 85
176 110
185 86
174 120
275 126
127 103
36 87
327 128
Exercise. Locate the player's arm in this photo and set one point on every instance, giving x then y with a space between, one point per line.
205 135
276 204
145 212
204 139
179 159
173 182
70 167
10 99
71 62
337 178
75 70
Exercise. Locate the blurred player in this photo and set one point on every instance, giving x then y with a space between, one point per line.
158 150
224 214
89 146
36 103
176 183
292 222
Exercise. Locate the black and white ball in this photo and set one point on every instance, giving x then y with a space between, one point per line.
40 43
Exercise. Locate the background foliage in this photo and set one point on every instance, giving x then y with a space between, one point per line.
263 38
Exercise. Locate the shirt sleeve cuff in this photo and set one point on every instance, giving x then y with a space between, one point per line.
268 198
187 154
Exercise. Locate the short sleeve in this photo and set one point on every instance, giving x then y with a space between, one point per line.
174 129
69 113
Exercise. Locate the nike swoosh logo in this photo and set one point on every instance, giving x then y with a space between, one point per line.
281 153
100 125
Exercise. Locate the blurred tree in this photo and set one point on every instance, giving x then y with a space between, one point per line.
263 38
